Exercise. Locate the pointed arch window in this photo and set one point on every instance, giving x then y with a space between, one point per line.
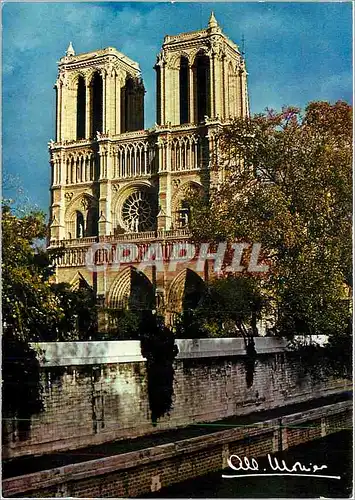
80 109
203 97
184 90
97 104
92 222
129 108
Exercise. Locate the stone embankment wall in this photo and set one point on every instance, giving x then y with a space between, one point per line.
139 472
96 392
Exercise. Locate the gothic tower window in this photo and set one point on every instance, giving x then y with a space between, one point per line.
202 68
91 222
129 110
97 104
184 90
80 109
79 225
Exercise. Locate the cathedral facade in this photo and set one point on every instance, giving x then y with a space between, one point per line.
113 181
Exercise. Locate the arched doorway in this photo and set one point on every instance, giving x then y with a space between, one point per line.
131 296
185 293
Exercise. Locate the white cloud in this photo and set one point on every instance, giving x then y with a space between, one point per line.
7 69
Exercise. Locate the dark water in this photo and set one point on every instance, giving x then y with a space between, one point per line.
335 451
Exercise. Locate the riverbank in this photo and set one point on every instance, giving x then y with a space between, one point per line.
150 469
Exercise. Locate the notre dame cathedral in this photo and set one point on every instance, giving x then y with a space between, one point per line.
113 181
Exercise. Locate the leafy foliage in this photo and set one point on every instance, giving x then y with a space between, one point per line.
287 185
34 309
79 318
21 390
228 306
124 324
30 308
285 181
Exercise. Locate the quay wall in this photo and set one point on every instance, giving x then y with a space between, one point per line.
95 392
145 471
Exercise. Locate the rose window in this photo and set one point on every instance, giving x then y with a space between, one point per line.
138 213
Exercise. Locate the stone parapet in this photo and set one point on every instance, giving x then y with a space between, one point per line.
126 351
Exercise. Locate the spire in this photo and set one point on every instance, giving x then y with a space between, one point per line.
70 50
212 23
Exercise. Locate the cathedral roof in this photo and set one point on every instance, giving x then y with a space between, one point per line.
72 58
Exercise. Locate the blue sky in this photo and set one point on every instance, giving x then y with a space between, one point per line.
295 53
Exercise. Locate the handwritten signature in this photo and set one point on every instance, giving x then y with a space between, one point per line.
245 464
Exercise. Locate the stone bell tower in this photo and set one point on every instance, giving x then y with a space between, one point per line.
200 74
99 95
99 91
201 84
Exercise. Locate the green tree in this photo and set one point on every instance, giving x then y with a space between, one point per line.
33 310
228 306
285 181
124 324
79 318
29 309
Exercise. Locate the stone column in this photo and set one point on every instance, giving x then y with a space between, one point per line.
245 94
110 108
164 195
117 107
167 95
123 123
192 83
212 85
64 113
88 131
69 113
218 87
163 91
105 191
224 88
175 97
240 85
